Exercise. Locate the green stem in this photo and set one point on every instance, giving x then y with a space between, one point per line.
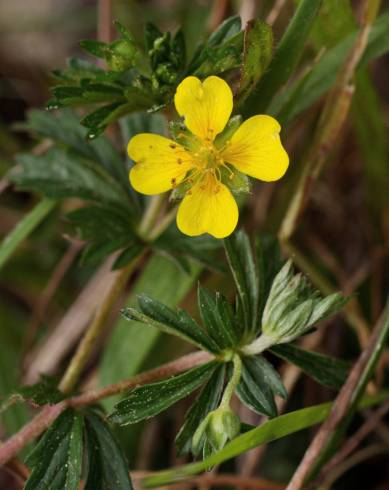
233 382
24 228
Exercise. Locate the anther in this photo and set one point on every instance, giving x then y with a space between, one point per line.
179 161
173 146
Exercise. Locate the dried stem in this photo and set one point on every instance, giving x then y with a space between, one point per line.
344 404
49 413
333 117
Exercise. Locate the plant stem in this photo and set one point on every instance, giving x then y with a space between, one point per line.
50 412
92 334
233 382
259 345
333 117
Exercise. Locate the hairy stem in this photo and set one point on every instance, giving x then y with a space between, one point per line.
50 412
233 382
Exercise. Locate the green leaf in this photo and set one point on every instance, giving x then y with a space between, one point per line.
177 322
61 174
43 392
207 401
56 460
221 331
105 229
225 31
269 263
99 119
271 430
326 370
149 400
151 34
128 255
258 385
64 127
25 226
243 269
257 53
107 467
95 48
130 343
286 57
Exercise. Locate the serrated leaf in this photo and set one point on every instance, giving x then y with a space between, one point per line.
149 400
107 467
223 333
56 460
207 401
243 269
59 174
177 323
256 388
64 127
257 53
43 392
326 370
98 223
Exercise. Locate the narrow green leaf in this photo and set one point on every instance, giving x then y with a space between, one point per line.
222 333
271 430
257 52
326 370
96 48
24 228
56 460
177 322
107 466
286 57
243 269
207 401
128 255
149 400
255 390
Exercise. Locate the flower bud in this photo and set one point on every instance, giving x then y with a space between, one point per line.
121 56
218 427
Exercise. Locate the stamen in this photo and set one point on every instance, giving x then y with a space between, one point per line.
173 146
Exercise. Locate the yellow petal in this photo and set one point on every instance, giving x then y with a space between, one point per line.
205 106
160 163
209 208
256 149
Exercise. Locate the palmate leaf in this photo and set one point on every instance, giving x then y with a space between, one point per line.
56 461
64 127
107 467
178 323
326 370
60 173
259 384
149 400
207 401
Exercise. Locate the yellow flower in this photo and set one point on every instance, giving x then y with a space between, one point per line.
162 164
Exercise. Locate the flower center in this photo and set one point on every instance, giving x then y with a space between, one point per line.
207 157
